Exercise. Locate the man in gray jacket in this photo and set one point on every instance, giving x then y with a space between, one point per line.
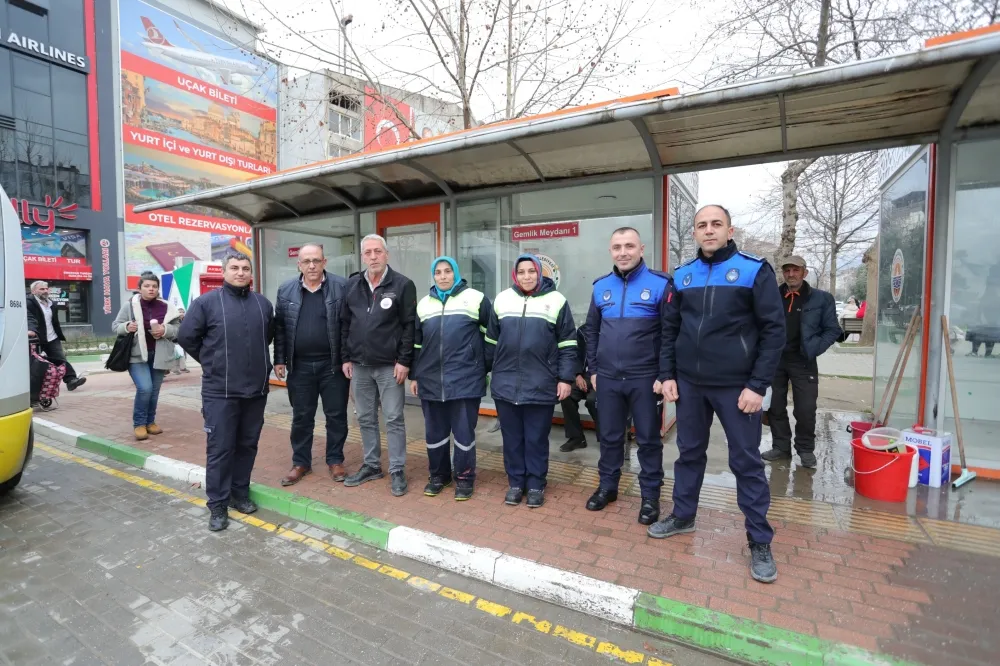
228 331
307 357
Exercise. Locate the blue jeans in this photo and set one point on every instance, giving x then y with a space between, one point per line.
147 382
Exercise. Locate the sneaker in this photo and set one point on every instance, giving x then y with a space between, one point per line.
762 566
463 491
154 429
513 496
495 427
399 486
219 519
808 460
649 511
573 445
141 433
74 384
536 498
365 474
670 526
435 485
244 505
775 454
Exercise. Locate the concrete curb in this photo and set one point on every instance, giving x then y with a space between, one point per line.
711 630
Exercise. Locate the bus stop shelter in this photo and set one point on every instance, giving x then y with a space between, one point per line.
557 184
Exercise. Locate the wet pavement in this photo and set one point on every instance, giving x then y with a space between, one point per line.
95 569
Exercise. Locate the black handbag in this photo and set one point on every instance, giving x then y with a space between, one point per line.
121 352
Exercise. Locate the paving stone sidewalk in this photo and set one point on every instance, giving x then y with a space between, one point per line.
905 596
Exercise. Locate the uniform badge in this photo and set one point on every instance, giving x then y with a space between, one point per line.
386 303
606 295
687 280
645 294
732 275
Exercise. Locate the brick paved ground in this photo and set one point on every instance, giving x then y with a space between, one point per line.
839 580
96 570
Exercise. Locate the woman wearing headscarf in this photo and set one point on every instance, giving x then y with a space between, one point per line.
531 347
449 375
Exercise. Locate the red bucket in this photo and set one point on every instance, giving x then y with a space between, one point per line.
858 428
879 475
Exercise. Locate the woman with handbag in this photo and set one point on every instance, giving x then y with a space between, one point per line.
152 324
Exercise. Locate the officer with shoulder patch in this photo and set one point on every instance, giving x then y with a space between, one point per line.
725 334
625 325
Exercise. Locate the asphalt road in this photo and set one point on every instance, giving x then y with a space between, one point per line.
97 567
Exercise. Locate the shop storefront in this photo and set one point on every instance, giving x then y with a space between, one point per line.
56 150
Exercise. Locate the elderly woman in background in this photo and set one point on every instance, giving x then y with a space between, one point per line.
155 323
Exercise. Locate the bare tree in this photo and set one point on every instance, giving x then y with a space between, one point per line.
839 203
756 38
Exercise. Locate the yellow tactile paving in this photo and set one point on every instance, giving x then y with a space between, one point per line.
959 536
499 611
880 524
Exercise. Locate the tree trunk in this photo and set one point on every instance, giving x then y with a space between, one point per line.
871 310
790 207
833 272
823 34
462 67
510 60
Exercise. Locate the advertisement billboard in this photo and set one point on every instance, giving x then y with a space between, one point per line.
57 255
197 112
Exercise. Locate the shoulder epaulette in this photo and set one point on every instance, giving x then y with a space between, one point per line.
662 274
601 278
752 256
687 263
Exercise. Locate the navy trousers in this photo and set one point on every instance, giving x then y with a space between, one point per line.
616 399
306 384
525 430
695 408
441 421
232 428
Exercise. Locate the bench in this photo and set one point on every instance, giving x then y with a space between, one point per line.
852 325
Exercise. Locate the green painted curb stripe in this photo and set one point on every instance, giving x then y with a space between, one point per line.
745 639
114 450
358 526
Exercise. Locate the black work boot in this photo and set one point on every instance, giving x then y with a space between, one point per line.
536 498
399 486
762 566
435 485
649 511
601 498
808 459
219 519
776 454
573 445
242 504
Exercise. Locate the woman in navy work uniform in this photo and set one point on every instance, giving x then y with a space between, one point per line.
449 375
531 346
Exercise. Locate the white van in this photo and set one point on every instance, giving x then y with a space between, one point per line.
16 434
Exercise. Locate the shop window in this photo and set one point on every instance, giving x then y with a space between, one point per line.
6 91
479 246
30 23
902 230
66 26
47 154
60 258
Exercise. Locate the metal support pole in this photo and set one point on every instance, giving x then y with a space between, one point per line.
935 301
453 229
357 238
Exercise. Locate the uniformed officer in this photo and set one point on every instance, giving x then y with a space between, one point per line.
725 334
625 326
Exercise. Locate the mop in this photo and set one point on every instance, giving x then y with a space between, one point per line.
966 475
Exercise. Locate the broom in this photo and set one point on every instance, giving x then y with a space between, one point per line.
966 475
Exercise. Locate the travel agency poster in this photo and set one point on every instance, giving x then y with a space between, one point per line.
197 112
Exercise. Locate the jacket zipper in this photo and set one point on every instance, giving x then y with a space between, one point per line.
746 352
520 330
441 347
370 309
704 301
621 314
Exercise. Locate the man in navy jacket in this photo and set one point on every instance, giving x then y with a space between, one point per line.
811 327
228 331
724 339
626 359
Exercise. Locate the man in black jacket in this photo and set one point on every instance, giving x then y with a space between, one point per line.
377 324
307 357
43 326
228 331
811 327
582 390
